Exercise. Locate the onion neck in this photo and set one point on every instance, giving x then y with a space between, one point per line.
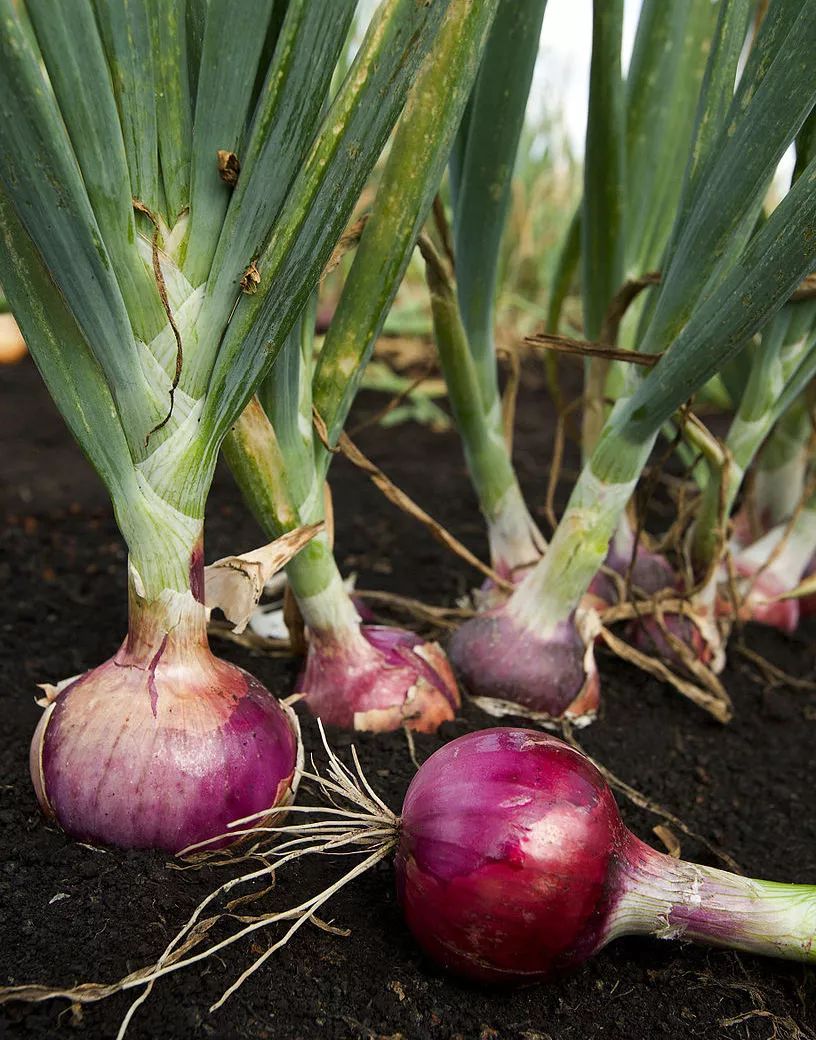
552 591
515 540
325 605
674 899
166 611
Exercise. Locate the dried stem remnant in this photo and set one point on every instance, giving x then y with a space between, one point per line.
228 166
398 497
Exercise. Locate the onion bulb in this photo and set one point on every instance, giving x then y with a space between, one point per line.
163 745
514 865
377 677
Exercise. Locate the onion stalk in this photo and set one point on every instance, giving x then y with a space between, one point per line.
481 167
356 675
724 279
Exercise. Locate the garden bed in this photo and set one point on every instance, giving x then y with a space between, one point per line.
70 913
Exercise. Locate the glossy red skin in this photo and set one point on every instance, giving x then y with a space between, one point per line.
378 678
508 852
497 657
164 755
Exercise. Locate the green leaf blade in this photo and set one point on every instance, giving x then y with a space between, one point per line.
482 167
78 71
125 29
48 195
320 202
761 127
234 36
602 228
174 107
411 177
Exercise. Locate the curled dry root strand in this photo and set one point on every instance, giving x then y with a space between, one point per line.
356 821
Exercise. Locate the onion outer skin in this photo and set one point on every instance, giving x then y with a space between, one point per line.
511 668
513 866
165 756
487 823
378 678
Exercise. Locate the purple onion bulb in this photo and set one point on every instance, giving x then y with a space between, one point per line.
163 745
375 677
514 865
511 668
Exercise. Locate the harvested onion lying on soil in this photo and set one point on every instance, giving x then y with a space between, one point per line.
512 865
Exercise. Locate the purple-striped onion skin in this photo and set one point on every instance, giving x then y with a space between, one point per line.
508 843
378 678
164 755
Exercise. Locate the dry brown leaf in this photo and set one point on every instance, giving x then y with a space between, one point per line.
235 583
397 497
669 839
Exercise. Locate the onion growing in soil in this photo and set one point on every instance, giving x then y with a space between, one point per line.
356 675
164 744
691 187
513 865
389 677
154 295
366 677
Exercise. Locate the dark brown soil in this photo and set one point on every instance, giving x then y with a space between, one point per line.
70 913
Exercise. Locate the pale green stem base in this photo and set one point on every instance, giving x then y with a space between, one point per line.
515 541
315 579
161 541
553 589
777 492
173 622
673 899
470 375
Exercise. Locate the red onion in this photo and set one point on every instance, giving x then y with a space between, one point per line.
509 667
513 864
374 677
163 745
648 573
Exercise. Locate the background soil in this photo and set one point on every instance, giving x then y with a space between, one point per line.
71 913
